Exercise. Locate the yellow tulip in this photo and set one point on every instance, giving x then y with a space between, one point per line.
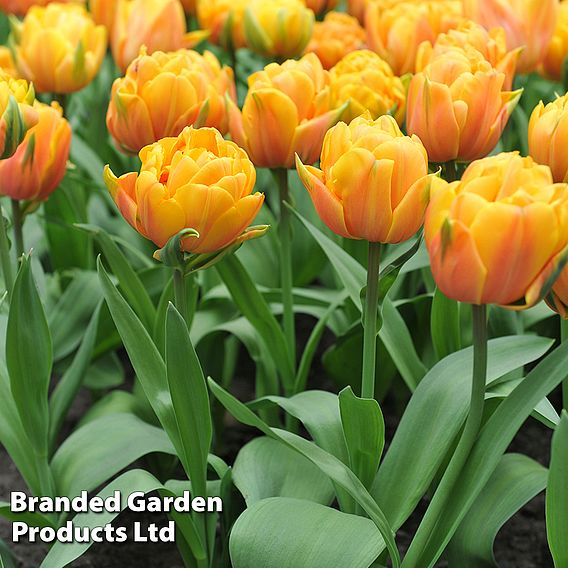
528 24
164 92
38 166
59 47
198 181
224 20
558 298
368 84
553 63
335 37
287 111
500 234
17 115
373 183
278 28
548 136
7 63
458 106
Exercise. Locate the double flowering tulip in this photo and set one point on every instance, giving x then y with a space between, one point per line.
17 114
528 24
164 92
553 63
458 107
278 28
368 84
500 234
38 166
373 183
59 47
287 111
548 136
335 37
224 20
195 181
395 30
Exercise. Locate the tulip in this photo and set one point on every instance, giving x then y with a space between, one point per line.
7 63
38 166
548 135
558 298
528 24
553 63
500 234
164 92
368 84
335 37
21 7
224 20
198 181
17 115
103 13
278 28
320 6
288 110
457 106
373 183
157 24
395 31
357 9
59 47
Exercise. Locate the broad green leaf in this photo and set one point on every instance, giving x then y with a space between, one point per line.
557 495
107 372
515 481
115 402
267 468
31 518
292 533
445 325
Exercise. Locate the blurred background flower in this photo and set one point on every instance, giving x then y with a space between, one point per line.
555 56
224 20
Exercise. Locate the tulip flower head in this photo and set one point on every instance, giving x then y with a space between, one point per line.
335 37
278 28
39 164
164 92
368 84
21 7
198 181
373 183
458 107
224 20
528 24
555 57
104 13
287 111
7 63
358 8
500 235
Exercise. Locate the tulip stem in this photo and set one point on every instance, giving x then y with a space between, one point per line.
469 435
18 224
5 259
180 297
563 338
286 279
370 322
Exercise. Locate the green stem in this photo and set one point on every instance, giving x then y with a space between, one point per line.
564 337
180 297
285 234
444 490
370 322
5 259
18 223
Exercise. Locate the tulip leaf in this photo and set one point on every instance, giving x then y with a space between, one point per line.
171 254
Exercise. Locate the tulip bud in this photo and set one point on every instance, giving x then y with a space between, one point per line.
373 183
558 298
335 37
500 234
395 30
555 57
320 6
287 111
164 92
224 20
195 181
38 166
278 28
457 106
21 7
59 47
548 136
528 24
17 115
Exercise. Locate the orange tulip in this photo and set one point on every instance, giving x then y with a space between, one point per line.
7 63
320 6
558 298
373 183
157 24
38 166
21 7
553 63
528 24
357 9
367 84
59 47
395 31
278 28
198 181
104 13
224 20
548 136
335 37
500 234
457 106
17 115
164 92
288 110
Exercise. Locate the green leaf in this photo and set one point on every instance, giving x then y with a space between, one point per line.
445 325
291 533
267 468
31 518
515 481
557 495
